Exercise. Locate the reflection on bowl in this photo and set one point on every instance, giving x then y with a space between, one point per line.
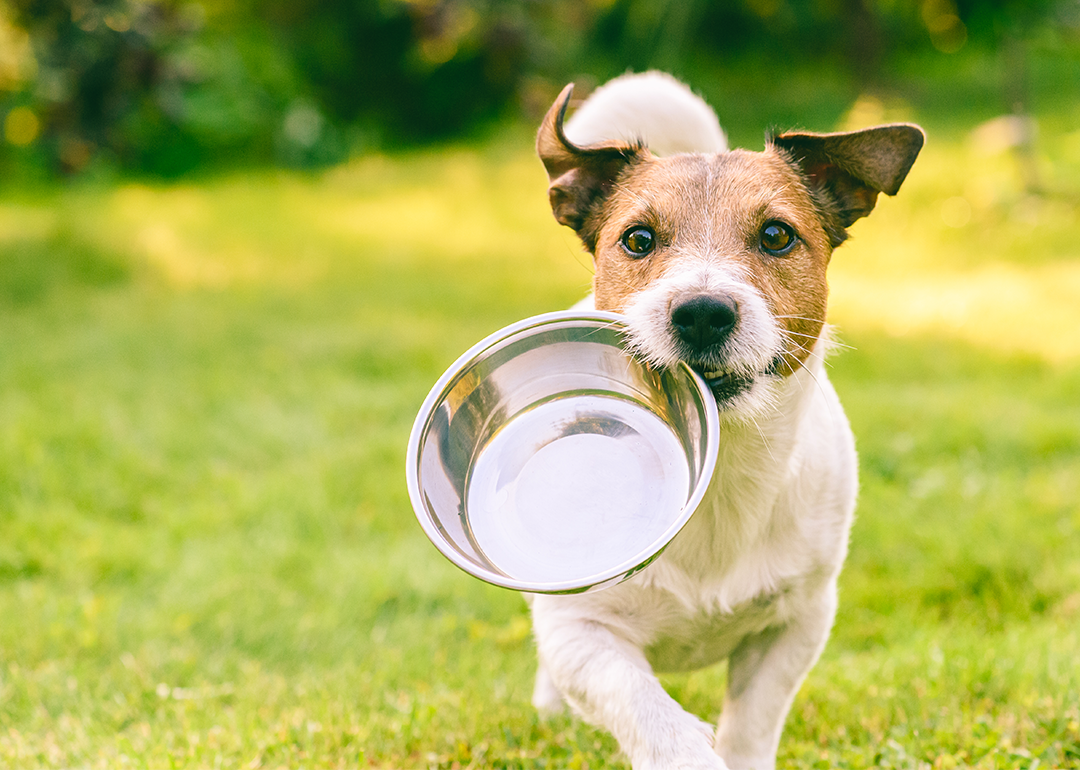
548 460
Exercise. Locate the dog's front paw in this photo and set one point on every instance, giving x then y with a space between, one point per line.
703 761
693 751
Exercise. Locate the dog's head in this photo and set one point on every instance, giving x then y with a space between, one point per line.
719 260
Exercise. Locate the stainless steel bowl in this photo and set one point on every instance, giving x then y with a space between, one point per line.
548 460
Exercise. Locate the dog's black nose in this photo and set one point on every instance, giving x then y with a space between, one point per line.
705 320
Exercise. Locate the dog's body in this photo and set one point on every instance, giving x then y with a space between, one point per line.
718 259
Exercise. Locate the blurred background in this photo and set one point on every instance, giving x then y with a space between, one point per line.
239 241
166 87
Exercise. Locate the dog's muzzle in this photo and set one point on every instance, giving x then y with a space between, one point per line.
703 324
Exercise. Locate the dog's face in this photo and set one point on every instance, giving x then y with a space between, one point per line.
720 260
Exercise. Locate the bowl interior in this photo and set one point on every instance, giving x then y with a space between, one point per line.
547 459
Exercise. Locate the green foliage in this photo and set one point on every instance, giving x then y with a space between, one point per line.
104 77
169 86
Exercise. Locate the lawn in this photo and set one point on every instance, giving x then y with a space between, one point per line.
207 553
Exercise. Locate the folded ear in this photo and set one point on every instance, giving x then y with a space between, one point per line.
580 177
846 171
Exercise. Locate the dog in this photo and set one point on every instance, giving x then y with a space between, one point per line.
716 258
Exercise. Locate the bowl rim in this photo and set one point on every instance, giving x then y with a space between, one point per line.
610 576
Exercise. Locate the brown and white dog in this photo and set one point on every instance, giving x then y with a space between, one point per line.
716 258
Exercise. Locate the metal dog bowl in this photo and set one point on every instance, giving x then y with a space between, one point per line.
548 460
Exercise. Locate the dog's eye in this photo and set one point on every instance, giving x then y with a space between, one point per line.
777 238
638 241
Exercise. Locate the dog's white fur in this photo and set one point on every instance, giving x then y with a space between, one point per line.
614 111
752 577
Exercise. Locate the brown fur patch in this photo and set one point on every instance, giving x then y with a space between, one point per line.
713 207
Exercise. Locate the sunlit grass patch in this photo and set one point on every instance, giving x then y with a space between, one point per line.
459 210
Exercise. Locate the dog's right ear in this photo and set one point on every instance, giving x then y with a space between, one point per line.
580 177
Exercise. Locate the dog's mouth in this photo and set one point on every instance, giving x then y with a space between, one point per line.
726 384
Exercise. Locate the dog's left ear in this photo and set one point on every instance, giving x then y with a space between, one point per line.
846 171
580 177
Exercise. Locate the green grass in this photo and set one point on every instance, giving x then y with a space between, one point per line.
207 554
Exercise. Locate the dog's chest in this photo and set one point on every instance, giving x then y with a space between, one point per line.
690 640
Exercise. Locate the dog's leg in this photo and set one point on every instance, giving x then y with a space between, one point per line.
764 673
546 698
608 681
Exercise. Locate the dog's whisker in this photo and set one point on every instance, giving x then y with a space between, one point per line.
801 334
829 343
616 325
821 389
819 357
796 360
764 438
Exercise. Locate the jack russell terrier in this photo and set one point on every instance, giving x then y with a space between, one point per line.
716 258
